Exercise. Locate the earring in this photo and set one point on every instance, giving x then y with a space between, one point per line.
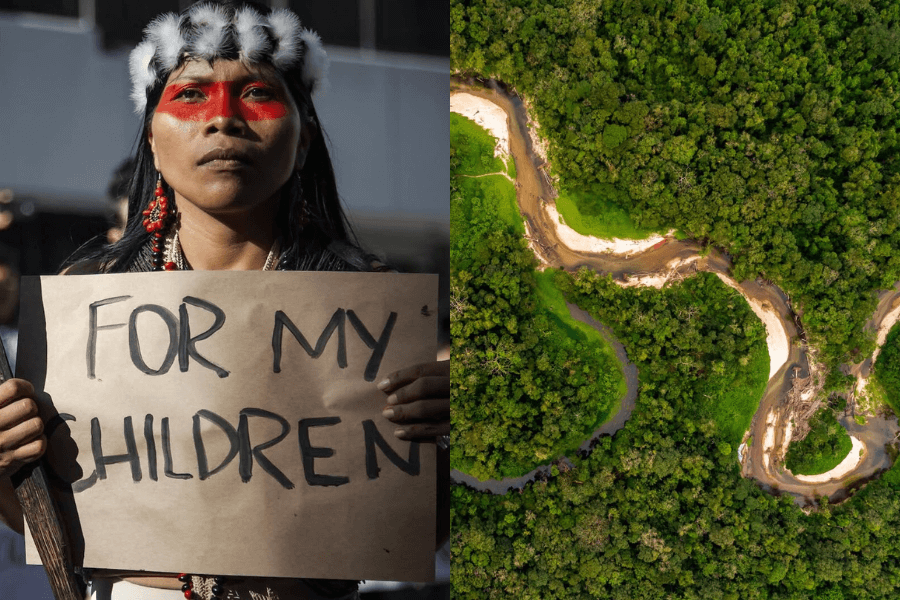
155 220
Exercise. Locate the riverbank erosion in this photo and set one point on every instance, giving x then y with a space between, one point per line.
794 375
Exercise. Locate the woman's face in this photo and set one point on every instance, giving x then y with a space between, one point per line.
227 137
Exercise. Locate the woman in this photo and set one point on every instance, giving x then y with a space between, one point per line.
231 173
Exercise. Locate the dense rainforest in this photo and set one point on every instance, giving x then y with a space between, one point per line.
887 369
528 384
767 128
659 510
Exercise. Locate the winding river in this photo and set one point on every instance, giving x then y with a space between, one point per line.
792 374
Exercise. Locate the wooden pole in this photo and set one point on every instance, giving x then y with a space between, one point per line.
44 520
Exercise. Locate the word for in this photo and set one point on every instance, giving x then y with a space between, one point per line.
241 448
183 345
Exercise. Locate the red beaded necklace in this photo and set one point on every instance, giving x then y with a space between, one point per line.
156 219
188 586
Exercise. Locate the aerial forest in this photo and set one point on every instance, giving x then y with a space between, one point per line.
767 129
659 510
528 384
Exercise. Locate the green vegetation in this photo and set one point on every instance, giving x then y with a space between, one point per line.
528 382
718 353
474 148
552 300
836 381
596 213
737 395
659 509
494 189
555 303
767 128
467 141
823 448
887 369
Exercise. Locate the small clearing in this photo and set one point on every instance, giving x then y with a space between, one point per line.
511 180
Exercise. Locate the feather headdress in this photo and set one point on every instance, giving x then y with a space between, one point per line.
208 31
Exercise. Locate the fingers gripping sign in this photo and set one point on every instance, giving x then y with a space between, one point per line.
22 437
419 400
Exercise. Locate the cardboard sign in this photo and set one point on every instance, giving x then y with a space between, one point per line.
230 422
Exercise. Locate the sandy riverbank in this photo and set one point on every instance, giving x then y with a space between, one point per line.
887 324
586 243
850 462
662 277
776 337
486 114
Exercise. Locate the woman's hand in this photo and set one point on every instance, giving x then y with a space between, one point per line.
419 400
22 437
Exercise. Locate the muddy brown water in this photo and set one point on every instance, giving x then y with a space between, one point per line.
532 190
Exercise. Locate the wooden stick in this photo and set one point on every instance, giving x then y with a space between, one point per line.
44 520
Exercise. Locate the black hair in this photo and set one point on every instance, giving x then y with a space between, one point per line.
121 179
315 233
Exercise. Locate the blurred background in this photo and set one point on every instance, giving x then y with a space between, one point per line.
67 124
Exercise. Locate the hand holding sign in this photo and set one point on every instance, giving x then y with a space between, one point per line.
21 429
419 400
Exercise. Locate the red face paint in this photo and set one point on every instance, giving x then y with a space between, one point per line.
204 101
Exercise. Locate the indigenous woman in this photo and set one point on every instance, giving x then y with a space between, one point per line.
231 173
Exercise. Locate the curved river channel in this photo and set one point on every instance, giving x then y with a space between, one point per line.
791 383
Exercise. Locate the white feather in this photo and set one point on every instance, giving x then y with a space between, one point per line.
165 34
285 27
315 61
294 45
252 40
142 74
212 24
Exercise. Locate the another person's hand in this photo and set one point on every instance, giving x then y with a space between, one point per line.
419 400
22 437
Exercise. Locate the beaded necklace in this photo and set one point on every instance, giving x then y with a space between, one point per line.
217 588
167 254
173 256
